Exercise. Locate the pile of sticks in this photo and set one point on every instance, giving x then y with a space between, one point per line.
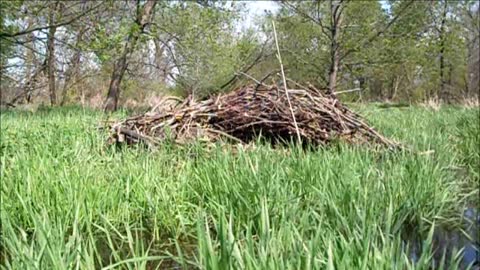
303 115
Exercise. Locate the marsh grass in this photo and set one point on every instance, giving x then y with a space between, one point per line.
70 202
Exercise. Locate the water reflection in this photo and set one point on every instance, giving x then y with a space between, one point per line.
450 242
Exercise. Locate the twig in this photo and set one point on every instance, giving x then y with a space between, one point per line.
297 84
223 134
252 78
164 100
348 91
262 80
285 84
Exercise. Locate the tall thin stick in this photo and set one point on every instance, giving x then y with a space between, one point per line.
285 83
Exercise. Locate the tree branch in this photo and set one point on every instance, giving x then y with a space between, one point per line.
27 31
380 32
318 21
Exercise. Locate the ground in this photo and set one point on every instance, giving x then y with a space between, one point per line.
69 201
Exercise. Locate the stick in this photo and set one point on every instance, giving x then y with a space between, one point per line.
262 80
299 85
285 83
348 91
164 100
219 132
252 78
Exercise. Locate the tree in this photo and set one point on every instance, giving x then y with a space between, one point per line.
402 50
38 33
199 45
470 18
334 30
74 65
51 52
336 15
143 18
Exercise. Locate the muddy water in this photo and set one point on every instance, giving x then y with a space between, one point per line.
449 242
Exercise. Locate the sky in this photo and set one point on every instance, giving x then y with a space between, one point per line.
257 8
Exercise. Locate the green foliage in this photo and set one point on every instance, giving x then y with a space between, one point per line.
108 39
304 46
68 201
401 63
194 47
207 52
8 12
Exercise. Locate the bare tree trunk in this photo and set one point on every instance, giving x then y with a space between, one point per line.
336 9
120 65
450 72
29 85
70 75
30 62
443 94
72 71
114 89
51 56
160 62
466 76
396 84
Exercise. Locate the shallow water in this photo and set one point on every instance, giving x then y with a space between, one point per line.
450 242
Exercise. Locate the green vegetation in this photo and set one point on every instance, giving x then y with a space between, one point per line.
70 202
405 51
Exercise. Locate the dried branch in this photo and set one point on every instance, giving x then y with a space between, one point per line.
285 83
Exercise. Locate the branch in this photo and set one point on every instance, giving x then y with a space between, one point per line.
337 12
246 69
23 44
348 91
285 84
172 36
172 53
27 31
380 32
305 15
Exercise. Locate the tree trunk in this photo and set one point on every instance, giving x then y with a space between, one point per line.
335 22
69 76
51 56
29 85
114 88
396 84
160 62
111 103
30 62
72 71
443 94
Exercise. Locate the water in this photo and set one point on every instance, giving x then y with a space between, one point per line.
450 242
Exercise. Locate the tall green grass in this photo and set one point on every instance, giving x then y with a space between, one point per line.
70 202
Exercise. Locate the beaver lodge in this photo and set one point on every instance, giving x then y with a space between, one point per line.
250 111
